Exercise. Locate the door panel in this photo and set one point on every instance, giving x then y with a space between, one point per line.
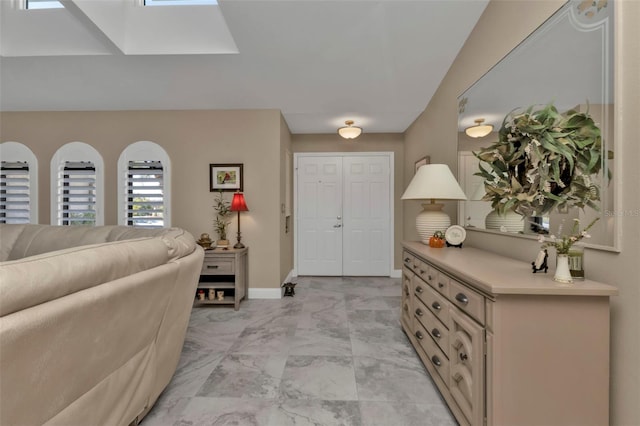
366 237
466 354
320 205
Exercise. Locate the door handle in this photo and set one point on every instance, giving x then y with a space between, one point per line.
337 225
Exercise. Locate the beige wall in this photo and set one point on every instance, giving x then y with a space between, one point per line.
367 142
193 139
503 25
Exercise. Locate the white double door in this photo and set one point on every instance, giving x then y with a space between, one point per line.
343 215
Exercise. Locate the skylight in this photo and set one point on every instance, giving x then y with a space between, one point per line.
43 4
179 2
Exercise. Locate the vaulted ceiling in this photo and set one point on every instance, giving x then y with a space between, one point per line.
318 61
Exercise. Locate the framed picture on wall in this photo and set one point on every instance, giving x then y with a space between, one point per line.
225 177
421 162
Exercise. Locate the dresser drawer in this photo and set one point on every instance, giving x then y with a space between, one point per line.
407 276
420 268
435 355
428 274
435 302
442 283
218 266
406 296
407 260
468 300
438 331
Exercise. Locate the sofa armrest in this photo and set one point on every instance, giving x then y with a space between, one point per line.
179 242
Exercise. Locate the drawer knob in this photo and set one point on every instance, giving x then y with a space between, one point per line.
436 306
406 308
460 297
436 333
429 277
419 289
212 266
419 312
421 271
406 259
440 285
463 357
436 361
419 335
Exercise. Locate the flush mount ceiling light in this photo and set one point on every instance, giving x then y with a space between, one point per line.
479 130
349 131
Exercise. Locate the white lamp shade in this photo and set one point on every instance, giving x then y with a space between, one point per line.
350 131
434 182
479 130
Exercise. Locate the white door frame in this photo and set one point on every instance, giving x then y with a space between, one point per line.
389 155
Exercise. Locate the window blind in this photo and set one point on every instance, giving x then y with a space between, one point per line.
145 194
77 190
15 206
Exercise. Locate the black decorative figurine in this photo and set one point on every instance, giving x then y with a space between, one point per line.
541 262
289 289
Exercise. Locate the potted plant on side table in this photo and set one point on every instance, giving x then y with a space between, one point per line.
222 219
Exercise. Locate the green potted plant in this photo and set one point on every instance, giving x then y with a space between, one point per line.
222 219
542 160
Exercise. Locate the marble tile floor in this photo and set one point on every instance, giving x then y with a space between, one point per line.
334 354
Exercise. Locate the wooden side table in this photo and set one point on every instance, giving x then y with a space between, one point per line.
223 271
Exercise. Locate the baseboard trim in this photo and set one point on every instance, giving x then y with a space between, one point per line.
265 293
396 273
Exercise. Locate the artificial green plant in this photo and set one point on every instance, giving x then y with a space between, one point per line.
543 159
223 215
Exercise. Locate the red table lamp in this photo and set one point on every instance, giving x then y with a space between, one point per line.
239 205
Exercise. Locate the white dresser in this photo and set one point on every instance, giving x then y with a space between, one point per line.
503 345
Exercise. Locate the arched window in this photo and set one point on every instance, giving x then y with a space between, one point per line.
144 186
18 184
77 186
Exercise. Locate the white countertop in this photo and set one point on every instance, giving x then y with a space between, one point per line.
494 274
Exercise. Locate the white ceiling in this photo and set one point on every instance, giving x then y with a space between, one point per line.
319 62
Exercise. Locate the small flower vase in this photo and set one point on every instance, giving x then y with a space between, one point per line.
576 262
563 274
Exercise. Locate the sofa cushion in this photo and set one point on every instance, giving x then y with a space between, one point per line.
37 279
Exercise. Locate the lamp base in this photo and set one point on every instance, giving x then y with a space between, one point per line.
238 245
509 222
430 220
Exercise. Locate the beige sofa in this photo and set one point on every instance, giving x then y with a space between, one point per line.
92 320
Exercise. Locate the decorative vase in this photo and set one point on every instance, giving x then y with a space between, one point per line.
509 222
563 274
576 262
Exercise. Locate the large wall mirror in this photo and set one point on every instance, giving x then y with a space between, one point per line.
567 61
